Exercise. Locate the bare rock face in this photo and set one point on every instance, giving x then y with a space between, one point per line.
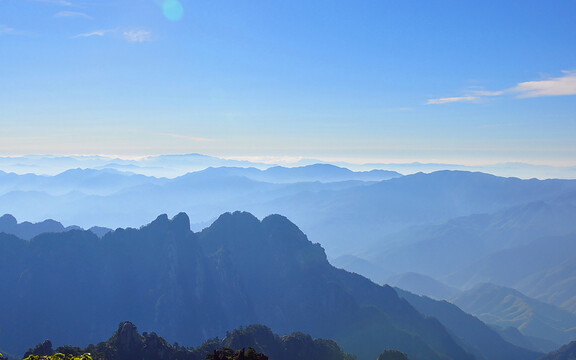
43 349
128 341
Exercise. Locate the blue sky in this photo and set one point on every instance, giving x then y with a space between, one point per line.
462 81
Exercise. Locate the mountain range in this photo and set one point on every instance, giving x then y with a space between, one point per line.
27 230
332 212
194 286
437 234
507 307
178 164
469 239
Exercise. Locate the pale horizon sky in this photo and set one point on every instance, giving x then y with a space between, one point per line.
457 81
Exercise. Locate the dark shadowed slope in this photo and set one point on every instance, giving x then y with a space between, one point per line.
191 287
566 352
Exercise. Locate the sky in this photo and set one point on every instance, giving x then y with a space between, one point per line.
468 82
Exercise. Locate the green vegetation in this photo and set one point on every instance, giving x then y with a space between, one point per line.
59 356
229 354
128 344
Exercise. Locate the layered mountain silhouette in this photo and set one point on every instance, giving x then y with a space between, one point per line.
423 285
332 213
472 333
178 164
27 230
434 232
194 286
507 307
309 173
542 269
470 239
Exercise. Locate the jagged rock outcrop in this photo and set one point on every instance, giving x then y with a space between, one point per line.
42 349
128 344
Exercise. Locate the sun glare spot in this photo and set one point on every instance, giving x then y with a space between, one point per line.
173 10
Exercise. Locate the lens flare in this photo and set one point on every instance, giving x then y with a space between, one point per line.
173 10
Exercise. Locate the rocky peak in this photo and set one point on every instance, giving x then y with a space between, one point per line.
128 340
280 228
233 230
42 349
179 224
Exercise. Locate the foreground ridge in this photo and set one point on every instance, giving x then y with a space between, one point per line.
128 344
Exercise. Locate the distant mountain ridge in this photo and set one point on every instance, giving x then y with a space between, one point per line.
331 212
179 164
472 333
507 307
423 285
468 239
107 182
27 230
543 269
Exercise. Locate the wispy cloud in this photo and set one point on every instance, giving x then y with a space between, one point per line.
5 30
71 14
487 93
134 36
137 35
451 100
180 136
94 33
557 86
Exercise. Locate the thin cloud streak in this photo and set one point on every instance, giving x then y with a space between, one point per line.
488 93
133 36
71 14
451 100
93 33
5 30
